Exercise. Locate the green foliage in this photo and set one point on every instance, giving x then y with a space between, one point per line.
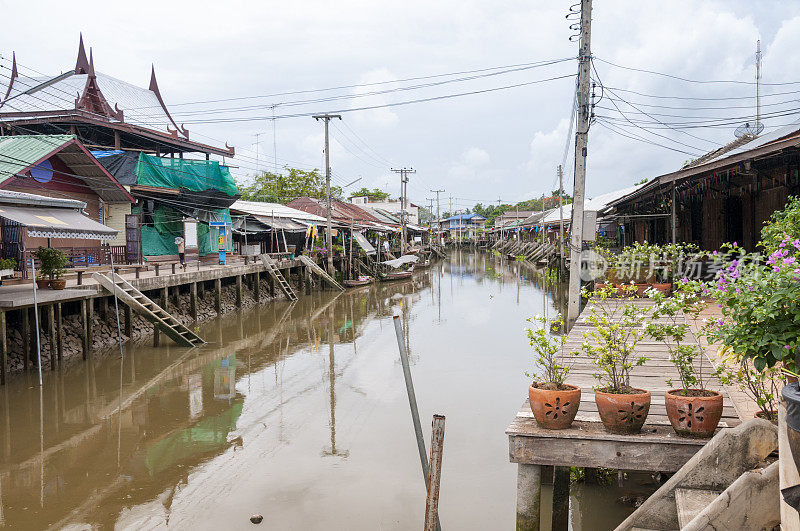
7 263
617 330
52 262
762 386
641 181
648 262
375 194
548 350
673 329
783 223
519 258
286 186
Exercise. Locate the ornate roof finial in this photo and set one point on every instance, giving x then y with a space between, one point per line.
82 65
154 89
91 63
14 76
153 83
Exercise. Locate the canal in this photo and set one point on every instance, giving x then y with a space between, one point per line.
297 412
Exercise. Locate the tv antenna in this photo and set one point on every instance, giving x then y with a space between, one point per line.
754 128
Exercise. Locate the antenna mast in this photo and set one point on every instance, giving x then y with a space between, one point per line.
758 82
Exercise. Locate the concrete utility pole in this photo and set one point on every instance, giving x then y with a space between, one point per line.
581 142
329 240
403 203
438 218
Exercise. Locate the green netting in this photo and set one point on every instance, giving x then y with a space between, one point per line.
159 239
195 175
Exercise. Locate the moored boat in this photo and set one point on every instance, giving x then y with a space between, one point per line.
358 282
396 275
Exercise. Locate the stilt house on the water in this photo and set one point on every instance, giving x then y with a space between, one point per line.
260 227
59 166
132 132
723 196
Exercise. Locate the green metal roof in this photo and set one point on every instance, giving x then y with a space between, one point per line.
20 152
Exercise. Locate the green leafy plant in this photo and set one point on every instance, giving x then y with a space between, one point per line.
519 258
669 325
617 329
548 349
8 263
52 262
762 386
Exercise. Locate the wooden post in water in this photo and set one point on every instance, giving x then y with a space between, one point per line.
51 328
412 400
218 296
85 327
435 473
238 291
560 499
128 321
257 287
89 322
60 334
193 300
3 350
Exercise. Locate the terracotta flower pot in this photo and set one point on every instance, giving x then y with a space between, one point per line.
693 416
599 285
58 283
641 288
42 283
554 410
665 288
623 413
772 416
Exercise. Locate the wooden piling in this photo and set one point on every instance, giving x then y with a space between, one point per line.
103 308
89 327
560 499
84 327
434 473
271 286
27 337
3 350
257 286
193 300
238 291
51 328
218 296
128 320
59 335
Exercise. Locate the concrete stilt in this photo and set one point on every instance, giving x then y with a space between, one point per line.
89 322
51 328
218 295
257 286
60 335
193 300
238 291
3 350
85 328
529 497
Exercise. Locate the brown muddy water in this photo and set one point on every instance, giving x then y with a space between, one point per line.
296 412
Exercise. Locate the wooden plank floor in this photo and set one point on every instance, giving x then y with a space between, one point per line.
586 443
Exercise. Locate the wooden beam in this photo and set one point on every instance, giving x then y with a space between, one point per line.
193 300
84 326
51 327
60 335
3 351
218 295
27 338
89 322
238 291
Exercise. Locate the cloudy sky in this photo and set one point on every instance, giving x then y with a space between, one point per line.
242 58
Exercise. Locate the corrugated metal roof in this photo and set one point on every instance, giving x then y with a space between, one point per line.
21 152
259 208
763 140
21 198
18 153
595 204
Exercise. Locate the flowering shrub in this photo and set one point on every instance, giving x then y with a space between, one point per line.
686 300
617 330
648 262
548 349
762 386
760 298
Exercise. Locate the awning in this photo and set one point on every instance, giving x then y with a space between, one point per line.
405 259
281 223
57 223
362 241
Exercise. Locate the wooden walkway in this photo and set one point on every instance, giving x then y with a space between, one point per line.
586 443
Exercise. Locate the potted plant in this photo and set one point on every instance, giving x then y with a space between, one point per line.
611 345
553 402
7 266
636 264
693 410
762 386
52 266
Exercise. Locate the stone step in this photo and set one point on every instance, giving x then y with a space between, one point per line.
691 501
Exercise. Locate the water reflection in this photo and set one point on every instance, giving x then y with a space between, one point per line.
294 410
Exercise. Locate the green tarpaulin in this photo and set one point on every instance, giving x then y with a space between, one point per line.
194 175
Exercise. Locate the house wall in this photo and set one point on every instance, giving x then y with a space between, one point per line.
114 217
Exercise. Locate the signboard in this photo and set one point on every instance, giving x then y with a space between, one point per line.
589 225
190 234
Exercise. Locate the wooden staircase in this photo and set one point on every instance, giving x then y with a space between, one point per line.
319 271
149 309
272 269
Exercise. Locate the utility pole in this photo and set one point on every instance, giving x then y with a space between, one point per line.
581 142
438 218
561 221
329 240
403 203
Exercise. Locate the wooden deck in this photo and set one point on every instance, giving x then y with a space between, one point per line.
586 443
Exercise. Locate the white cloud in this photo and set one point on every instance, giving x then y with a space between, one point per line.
384 117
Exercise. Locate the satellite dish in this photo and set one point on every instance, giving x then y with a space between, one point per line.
749 128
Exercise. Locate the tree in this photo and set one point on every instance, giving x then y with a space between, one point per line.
375 194
285 187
